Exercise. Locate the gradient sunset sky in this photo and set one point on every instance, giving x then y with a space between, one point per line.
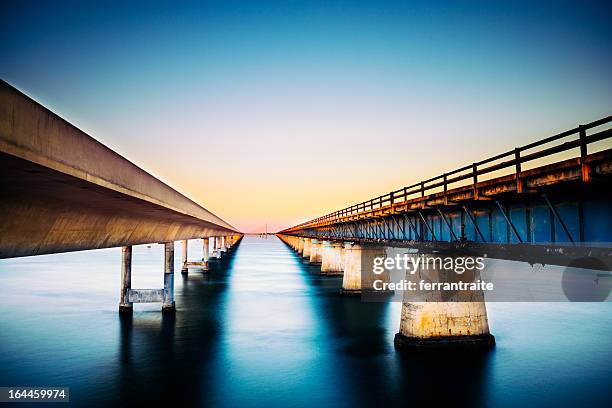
277 112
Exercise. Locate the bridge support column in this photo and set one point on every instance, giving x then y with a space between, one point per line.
315 251
126 279
219 251
168 305
351 282
205 253
332 258
215 248
444 324
300 247
184 268
358 267
223 248
451 324
306 252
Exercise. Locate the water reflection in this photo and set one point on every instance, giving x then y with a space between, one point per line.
452 377
163 357
371 372
263 327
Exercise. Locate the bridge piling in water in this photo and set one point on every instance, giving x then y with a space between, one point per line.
443 319
125 306
215 245
357 259
129 296
351 281
202 264
205 252
184 268
168 301
332 262
444 324
460 322
306 248
315 251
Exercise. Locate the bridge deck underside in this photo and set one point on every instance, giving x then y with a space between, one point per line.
46 211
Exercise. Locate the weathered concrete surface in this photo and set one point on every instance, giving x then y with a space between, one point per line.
64 191
145 295
197 265
315 251
358 267
168 291
351 281
332 258
126 279
444 324
306 248
205 250
184 268
461 323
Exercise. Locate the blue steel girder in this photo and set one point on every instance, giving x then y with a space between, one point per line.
557 217
468 213
401 230
431 231
417 235
450 228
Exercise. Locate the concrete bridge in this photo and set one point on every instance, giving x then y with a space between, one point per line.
557 213
64 191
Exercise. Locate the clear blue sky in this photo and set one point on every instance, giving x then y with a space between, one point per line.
279 111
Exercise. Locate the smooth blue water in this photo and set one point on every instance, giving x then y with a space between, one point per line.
262 328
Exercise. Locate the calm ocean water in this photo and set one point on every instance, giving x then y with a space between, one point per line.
262 328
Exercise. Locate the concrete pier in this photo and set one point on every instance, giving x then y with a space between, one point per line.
358 261
315 251
215 245
205 251
332 258
306 251
184 268
168 301
186 264
444 324
300 247
351 282
125 306
460 323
